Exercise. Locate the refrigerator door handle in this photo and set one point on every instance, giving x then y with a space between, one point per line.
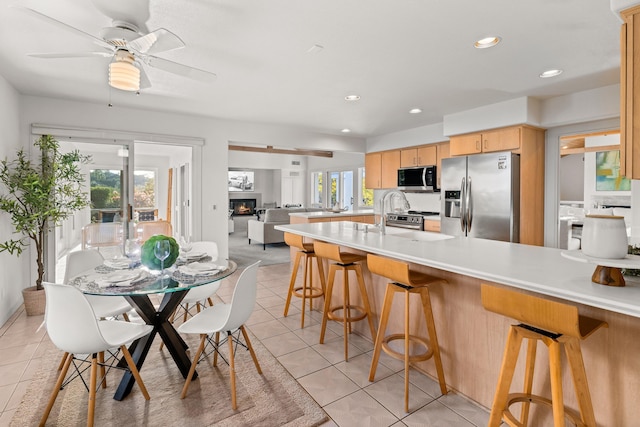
469 205
463 212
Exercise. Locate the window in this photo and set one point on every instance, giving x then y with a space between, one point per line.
365 195
144 189
316 189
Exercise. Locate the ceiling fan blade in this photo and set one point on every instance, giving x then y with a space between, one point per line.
179 69
61 24
160 40
71 55
145 83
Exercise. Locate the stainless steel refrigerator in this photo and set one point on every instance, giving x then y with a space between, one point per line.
481 196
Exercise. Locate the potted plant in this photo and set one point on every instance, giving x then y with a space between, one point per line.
38 196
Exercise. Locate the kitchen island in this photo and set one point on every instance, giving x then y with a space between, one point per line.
472 340
359 215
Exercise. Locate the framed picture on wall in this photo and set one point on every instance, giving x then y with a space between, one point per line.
241 181
608 176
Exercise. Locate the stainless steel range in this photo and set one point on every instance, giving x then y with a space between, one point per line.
412 219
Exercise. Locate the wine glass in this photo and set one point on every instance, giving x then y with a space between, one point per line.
161 251
185 245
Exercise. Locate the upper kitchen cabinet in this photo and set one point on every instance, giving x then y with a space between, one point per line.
373 170
419 156
443 152
390 166
381 169
630 93
493 140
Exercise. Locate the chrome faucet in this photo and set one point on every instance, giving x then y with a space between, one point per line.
389 194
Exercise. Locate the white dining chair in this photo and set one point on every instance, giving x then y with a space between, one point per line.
104 306
200 295
228 318
68 310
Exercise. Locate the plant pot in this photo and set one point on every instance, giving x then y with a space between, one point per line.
34 301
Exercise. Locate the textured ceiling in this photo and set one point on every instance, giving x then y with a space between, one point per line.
395 54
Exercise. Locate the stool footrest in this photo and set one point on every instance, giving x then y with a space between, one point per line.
311 292
514 398
400 356
360 313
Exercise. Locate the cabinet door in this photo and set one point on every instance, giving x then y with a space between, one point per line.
427 156
408 157
390 166
630 93
501 140
373 170
466 144
442 153
432 225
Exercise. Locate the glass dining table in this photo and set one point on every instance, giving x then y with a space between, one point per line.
136 285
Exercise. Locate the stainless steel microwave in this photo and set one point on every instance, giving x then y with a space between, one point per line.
418 179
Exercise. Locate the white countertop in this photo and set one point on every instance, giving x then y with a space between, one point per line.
533 268
332 214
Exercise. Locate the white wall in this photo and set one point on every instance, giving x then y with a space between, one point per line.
15 271
572 178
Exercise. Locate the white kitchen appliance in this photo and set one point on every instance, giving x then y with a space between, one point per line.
481 196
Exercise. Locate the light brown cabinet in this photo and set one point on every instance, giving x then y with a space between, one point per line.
419 156
630 93
493 140
432 225
381 169
373 170
442 153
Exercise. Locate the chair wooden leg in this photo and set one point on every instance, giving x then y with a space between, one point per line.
250 347
327 302
433 337
63 360
134 371
125 316
346 326
406 349
192 369
555 371
509 360
304 289
528 378
215 353
92 390
579 374
103 377
56 389
186 311
384 318
210 301
365 300
232 372
321 274
292 282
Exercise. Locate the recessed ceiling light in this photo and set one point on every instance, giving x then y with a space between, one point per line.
415 111
550 73
487 42
345 130
352 97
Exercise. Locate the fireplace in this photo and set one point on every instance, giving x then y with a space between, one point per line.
243 206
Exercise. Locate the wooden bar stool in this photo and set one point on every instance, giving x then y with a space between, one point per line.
407 282
556 325
345 261
307 290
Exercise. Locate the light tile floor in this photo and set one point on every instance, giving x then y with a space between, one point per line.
341 388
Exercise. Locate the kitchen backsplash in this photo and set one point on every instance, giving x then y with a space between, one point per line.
419 201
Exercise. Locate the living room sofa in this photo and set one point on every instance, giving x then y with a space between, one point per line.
263 231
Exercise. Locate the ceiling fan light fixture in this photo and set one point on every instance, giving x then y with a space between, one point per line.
123 74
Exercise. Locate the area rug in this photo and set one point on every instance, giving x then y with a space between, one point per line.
271 399
245 254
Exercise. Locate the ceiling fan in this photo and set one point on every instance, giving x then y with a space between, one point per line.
128 49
